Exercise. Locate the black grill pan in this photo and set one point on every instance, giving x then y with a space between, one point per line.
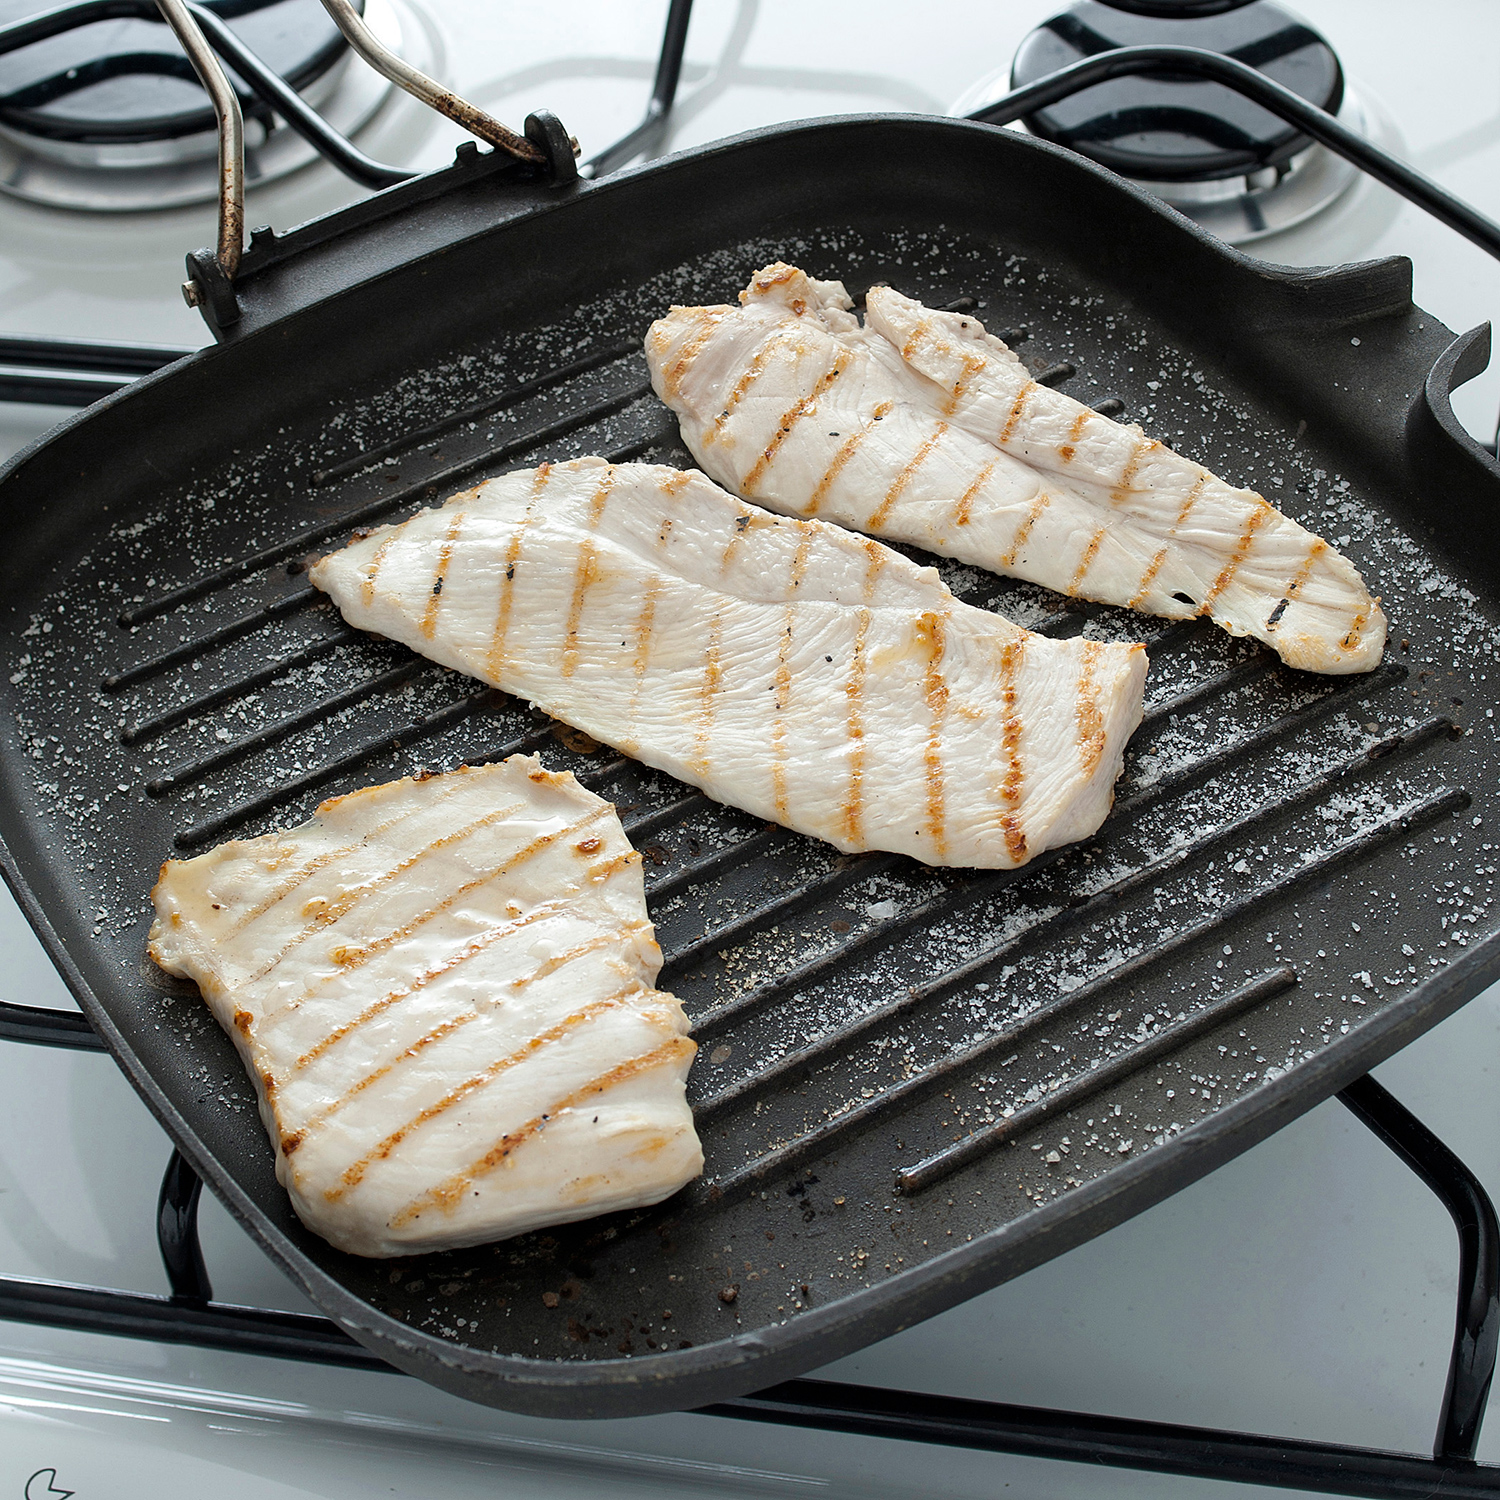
912 1084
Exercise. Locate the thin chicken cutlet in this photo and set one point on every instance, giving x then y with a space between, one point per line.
922 427
786 667
443 991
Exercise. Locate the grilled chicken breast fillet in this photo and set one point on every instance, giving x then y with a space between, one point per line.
921 427
785 667
442 989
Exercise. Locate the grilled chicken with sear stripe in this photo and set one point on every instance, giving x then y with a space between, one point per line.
442 989
786 667
921 427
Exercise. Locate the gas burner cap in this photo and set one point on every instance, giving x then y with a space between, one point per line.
118 82
1160 128
137 136
1257 198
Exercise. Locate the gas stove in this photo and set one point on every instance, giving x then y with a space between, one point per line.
1306 1289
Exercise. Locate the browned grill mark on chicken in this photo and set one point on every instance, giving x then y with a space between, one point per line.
1065 451
447 1028
904 478
354 1173
671 488
470 950
446 1194
440 575
1121 491
971 367
1014 780
1241 552
783 679
600 497
335 911
435 971
1155 565
311 868
644 626
919 333
853 811
742 523
800 558
1015 412
600 872
1090 721
496 661
371 568
586 574
578 950
876 557
1189 501
742 385
356 958
845 453
773 276
1147 579
713 677
929 629
966 500
782 685
1351 640
1087 561
673 374
1318 548
1033 513
610 866
804 407
351 958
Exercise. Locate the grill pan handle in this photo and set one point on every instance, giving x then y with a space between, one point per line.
211 283
231 134
385 62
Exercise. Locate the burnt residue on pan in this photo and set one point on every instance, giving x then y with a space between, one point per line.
894 1060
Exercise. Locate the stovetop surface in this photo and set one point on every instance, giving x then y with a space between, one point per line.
1259 1299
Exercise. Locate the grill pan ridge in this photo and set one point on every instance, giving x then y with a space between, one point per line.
912 1084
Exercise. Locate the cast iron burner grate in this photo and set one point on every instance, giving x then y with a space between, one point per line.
1236 167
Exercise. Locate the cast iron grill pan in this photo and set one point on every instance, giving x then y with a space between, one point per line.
911 1083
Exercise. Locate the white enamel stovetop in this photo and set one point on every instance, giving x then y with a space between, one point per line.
1306 1289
